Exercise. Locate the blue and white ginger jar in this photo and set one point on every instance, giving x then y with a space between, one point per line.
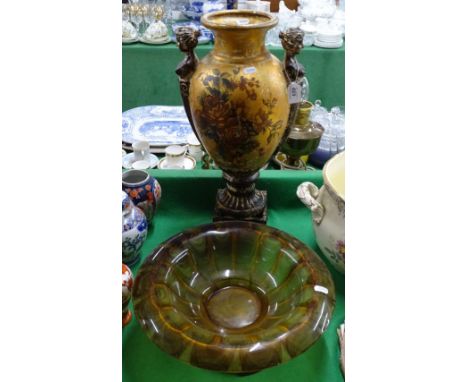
134 230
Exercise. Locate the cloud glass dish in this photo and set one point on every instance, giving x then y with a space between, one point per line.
235 297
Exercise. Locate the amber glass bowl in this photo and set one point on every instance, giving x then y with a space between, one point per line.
235 297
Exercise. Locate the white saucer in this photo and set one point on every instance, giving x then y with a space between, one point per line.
203 40
155 42
129 40
323 44
189 164
128 160
140 165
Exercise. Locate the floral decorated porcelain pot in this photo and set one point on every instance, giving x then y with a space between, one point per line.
328 210
144 191
127 285
134 230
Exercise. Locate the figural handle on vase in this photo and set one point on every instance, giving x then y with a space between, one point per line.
292 39
187 40
307 193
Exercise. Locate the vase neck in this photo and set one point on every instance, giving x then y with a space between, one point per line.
133 178
239 45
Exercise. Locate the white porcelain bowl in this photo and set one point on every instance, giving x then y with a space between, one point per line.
328 210
308 27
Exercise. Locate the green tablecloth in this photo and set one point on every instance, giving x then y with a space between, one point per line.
188 200
148 76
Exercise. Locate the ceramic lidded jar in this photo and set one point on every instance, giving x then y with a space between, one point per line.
127 285
144 191
134 230
328 210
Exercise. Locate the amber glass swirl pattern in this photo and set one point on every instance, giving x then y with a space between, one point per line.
233 296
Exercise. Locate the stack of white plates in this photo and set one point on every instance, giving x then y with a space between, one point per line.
310 32
328 38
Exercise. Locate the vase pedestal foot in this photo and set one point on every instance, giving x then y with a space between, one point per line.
240 200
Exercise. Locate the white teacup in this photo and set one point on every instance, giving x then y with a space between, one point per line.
194 147
141 151
175 155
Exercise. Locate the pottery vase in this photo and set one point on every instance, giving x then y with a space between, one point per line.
238 94
127 285
236 99
134 230
144 190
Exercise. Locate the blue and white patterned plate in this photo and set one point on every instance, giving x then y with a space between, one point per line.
159 125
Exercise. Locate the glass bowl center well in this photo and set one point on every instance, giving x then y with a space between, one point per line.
234 307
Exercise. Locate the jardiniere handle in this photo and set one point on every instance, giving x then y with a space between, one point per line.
292 39
308 193
187 40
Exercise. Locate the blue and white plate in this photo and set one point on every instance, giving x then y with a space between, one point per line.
159 125
193 11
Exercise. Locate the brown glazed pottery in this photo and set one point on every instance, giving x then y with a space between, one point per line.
235 297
